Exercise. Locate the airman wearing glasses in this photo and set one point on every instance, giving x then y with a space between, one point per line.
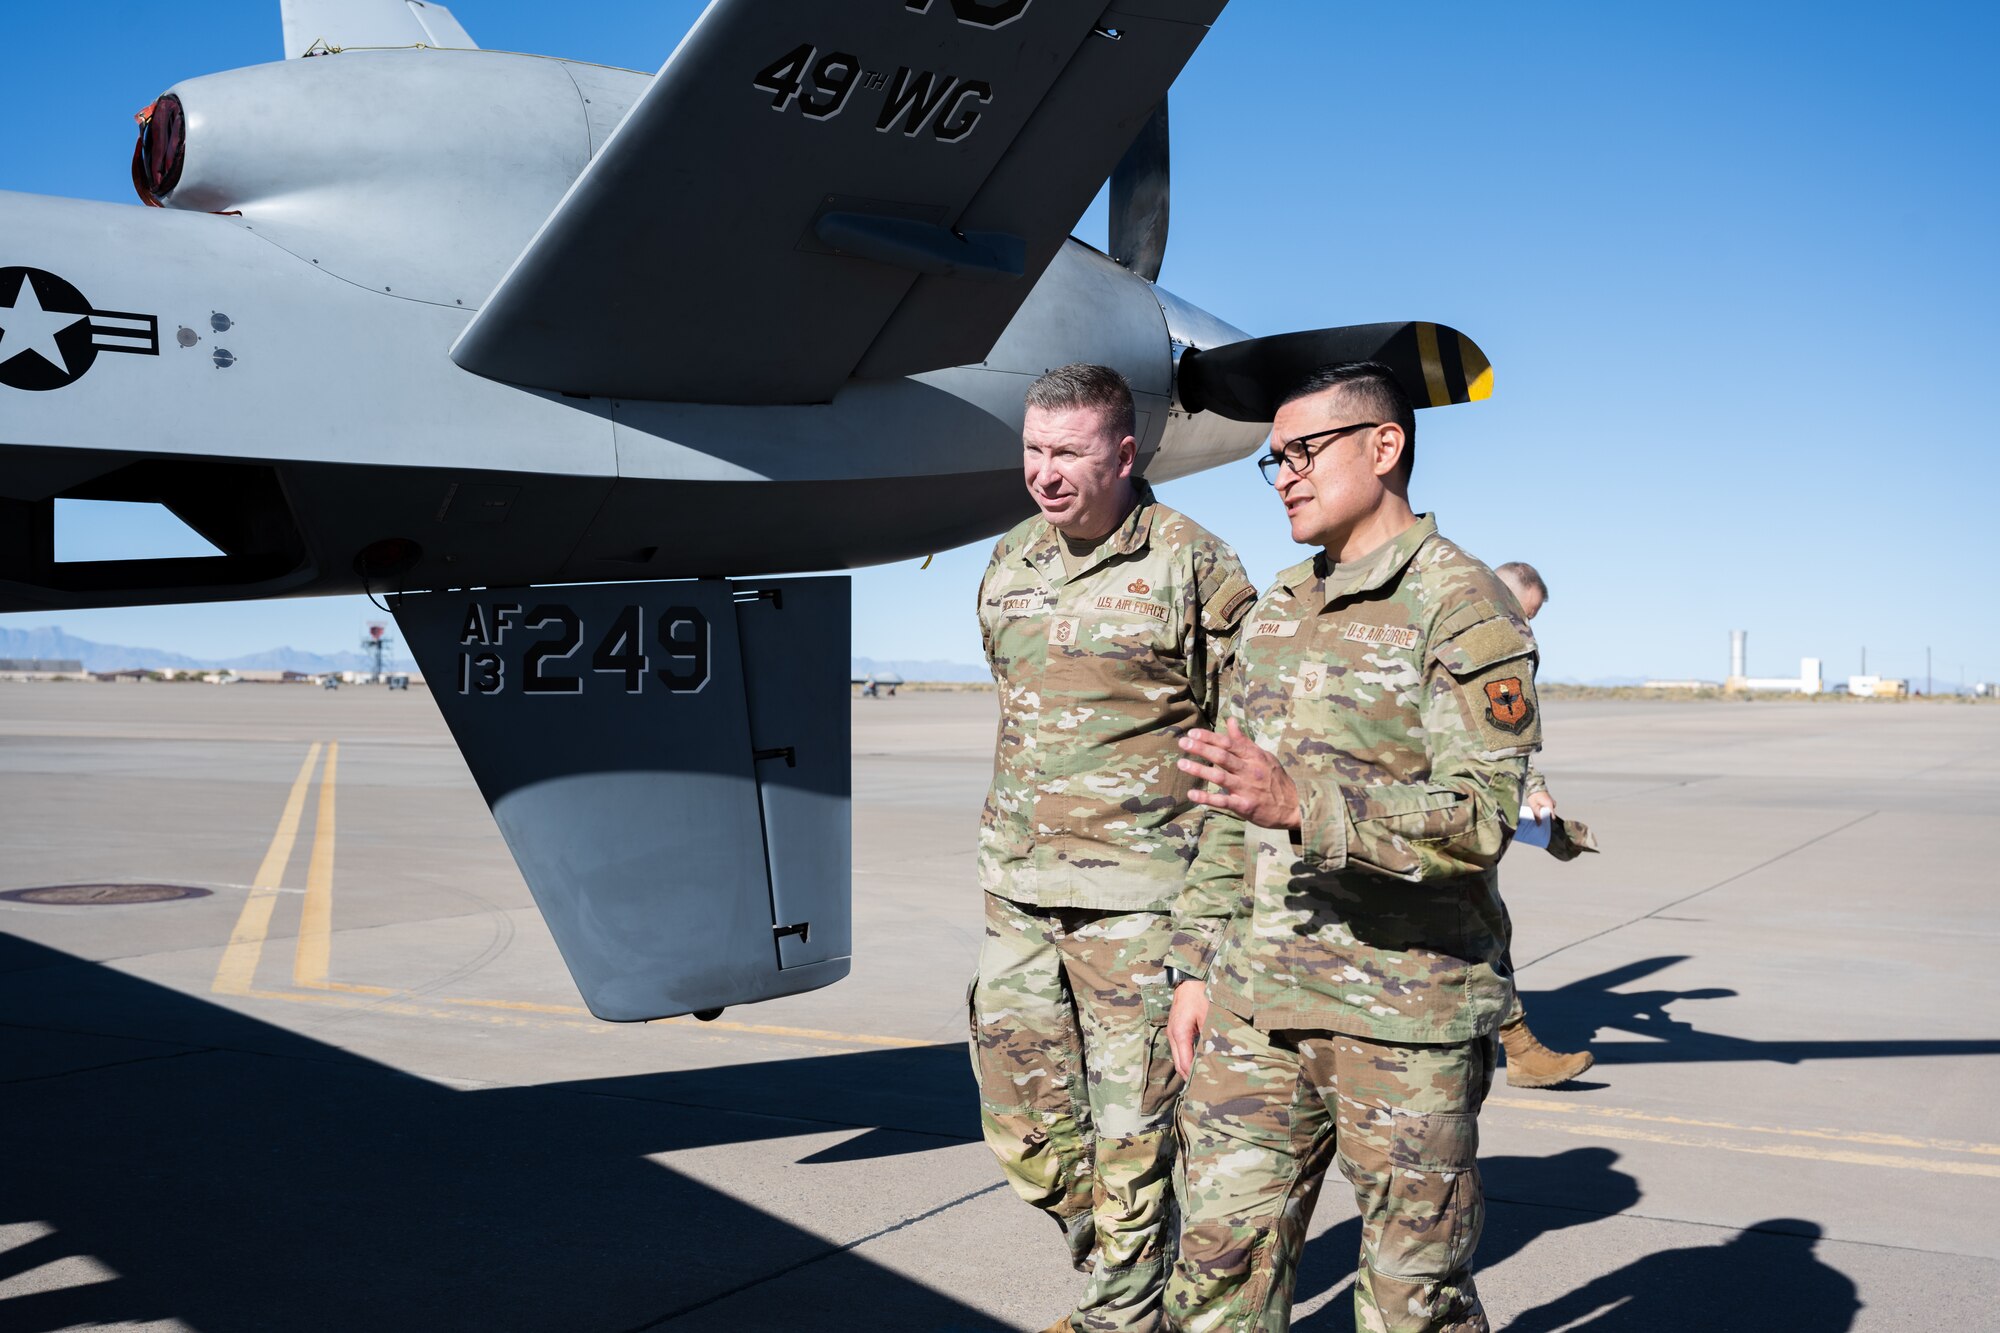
1339 945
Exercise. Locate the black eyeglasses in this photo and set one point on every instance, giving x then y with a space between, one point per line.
1300 457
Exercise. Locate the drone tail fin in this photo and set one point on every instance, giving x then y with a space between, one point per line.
321 27
669 765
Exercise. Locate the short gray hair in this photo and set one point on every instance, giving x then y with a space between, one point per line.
1523 578
1081 384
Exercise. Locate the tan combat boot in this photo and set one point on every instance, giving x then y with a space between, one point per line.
1533 1065
1060 1326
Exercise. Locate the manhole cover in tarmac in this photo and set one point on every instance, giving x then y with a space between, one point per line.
103 895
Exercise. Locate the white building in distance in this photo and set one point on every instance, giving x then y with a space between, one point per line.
1810 680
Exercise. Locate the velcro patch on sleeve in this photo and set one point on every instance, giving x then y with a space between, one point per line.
1227 604
1490 641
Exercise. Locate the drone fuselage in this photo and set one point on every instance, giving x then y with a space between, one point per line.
287 389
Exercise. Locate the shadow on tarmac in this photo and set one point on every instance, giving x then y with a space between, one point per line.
1765 1276
1569 1189
236 1176
1570 1018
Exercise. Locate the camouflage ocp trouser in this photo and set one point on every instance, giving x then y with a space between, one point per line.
1077 1090
1263 1113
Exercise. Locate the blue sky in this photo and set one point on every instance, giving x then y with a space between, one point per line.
1734 265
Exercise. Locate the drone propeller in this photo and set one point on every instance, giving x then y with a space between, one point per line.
1246 380
1139 190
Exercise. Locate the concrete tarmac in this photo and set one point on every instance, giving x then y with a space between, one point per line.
352 1087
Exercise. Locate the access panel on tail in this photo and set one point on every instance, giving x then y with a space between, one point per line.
669 765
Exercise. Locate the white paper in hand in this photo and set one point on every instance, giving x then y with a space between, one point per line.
1534 832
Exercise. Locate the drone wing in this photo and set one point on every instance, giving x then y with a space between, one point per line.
813 190
317 25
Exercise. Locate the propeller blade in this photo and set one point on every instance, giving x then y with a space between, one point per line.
1244 381
1139 190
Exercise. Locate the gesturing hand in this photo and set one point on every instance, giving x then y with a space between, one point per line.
1253 783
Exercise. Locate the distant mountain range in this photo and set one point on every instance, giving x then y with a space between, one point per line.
51 642
947 671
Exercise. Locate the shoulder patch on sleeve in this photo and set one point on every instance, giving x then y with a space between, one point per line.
1228 603
1472 650
1507 705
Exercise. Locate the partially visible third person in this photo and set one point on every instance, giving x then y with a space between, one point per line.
1529 1063
1341 941
1108 620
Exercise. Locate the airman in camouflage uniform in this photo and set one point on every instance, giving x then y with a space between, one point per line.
1530 1064
1108 647
1343 908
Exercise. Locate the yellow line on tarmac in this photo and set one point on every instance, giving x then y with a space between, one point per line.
561 1015
310 958
810 1034
514 1006
238 967
1836 1135
578 1011
419 1005
313 957
714 1025
408 1004
404 1005
1599 1130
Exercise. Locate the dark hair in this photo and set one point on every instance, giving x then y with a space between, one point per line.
1082 384
1376 393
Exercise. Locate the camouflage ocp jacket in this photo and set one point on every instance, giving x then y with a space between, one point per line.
1398 691
1100 674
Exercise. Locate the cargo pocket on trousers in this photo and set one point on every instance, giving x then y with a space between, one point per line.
1431 1210
1439 1141
1163 1081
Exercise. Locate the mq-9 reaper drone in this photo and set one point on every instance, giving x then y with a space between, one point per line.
565 360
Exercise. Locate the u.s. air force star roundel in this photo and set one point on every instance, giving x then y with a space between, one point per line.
1507 706
50 336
